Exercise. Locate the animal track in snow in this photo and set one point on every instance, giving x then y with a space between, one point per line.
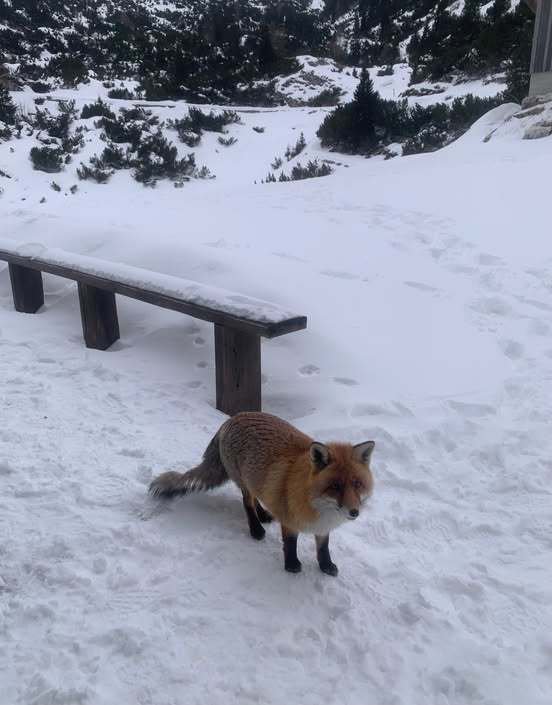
346 381
511 349
309 370
492 305
472 410
337 274
421 286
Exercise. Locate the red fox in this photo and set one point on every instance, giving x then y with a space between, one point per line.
309 487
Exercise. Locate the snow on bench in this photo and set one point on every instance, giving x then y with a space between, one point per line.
240 321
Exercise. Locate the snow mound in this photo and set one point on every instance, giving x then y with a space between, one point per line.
532 122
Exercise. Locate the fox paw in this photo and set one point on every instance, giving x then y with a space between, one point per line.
257 532
293 566
329 568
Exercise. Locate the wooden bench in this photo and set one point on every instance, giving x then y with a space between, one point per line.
239 321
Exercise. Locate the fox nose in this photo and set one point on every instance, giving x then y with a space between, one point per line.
353 513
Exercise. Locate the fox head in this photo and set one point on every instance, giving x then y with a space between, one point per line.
341 480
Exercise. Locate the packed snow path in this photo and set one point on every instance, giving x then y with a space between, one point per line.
428 283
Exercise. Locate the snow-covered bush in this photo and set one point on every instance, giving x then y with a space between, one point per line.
98 109
121 94
369 123
297 148
48 159
7 107
227 141
312 170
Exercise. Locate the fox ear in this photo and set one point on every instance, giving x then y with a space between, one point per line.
363 452
320 455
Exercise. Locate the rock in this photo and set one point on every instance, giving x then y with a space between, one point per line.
532 111
538 131
533 100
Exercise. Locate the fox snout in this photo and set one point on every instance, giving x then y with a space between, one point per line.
353 513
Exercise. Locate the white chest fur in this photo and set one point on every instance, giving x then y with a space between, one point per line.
330 517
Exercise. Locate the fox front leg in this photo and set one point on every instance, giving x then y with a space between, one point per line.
323 555
289 539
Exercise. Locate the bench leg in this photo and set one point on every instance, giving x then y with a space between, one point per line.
238 370
100 324
28 292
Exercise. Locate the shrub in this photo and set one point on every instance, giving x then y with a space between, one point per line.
55 186
297 148
71 69
97 109
326 98
227 141
369 123
67 107
156 158
138 113
48 159
197 120
312 170
121 94
115 157
119 131
73 143
55 125
39 86
97 172
258 129
7 107
277 163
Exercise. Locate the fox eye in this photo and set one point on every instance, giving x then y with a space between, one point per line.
357 484
336 486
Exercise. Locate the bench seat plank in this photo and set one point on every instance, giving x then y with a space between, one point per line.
201 301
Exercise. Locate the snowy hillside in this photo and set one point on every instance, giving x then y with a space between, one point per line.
223 51
427 285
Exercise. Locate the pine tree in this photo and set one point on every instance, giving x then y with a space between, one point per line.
7 108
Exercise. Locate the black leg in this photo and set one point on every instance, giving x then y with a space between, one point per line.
323 555
264 516
291 563
255 527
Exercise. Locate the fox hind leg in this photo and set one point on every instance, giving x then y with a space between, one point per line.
264 516
256 529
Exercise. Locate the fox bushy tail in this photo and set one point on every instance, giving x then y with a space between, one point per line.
208 474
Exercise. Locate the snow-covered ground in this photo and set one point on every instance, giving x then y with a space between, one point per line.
427 282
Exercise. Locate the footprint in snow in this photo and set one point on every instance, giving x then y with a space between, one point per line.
511 349
346 381
421 286
336 274
493 306
309 370
132 453
487 259
472 410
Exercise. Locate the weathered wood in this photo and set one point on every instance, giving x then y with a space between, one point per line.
100 325
238 370
27 288
541 58
204 313
237 337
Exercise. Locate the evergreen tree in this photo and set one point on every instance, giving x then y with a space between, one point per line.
7 108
